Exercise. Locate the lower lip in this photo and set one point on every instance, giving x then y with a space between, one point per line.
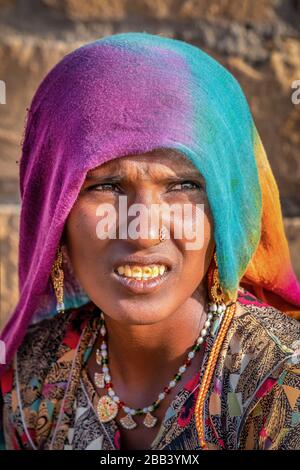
143 286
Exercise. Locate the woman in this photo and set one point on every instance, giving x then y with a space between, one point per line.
126 335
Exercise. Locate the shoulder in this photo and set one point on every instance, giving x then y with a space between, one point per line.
258 322
260 375
47 340
269 375
45 356
262 343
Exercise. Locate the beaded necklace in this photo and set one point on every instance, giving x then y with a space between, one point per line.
110 404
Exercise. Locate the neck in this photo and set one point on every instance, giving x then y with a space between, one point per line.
140 354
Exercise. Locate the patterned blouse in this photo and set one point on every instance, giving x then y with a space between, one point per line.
49 401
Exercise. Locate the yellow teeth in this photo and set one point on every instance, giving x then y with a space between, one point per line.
142 272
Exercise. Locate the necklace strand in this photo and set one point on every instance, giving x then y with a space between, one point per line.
109 405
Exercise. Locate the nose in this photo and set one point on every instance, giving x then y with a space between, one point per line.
144 227
149 241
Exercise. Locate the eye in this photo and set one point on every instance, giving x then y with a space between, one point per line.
186 185
104 187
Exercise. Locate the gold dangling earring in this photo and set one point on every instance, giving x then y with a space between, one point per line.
57 275
216 294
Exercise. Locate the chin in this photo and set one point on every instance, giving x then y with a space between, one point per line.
137 311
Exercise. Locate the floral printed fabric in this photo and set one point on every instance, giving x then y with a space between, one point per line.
253 401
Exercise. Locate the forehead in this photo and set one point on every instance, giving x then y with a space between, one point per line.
158 161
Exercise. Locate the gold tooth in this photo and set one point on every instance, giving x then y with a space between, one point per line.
139 272
147 272
136 271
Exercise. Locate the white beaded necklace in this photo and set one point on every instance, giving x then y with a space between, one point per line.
109 405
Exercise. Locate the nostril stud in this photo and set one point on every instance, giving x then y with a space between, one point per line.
162 234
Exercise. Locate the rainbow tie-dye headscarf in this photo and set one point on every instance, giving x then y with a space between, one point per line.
131 93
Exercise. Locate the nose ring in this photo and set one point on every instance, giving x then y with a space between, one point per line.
162 234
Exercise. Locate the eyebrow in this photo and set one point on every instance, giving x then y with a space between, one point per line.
124 177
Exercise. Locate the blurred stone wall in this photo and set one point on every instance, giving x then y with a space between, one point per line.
257 40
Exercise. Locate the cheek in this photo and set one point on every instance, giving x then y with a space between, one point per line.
84 247
197 255
81 228
194 230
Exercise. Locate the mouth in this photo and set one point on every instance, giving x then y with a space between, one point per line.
141 277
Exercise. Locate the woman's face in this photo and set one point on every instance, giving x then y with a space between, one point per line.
136 279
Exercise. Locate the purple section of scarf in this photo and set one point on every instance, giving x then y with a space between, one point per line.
89 109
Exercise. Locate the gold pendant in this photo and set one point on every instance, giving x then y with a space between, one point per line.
128 422
99 380
150 420
107 409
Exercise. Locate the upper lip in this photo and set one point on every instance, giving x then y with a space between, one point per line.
143 260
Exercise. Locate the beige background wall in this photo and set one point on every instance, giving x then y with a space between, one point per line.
257 40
